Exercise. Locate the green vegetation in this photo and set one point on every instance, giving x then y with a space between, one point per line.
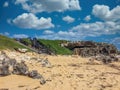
54 45
8 43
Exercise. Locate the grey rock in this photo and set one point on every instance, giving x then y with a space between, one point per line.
4 70
89 48
35 75
46 63
20 69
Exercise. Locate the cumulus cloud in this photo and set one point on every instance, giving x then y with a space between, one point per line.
47 32
30 21
68 19
84 30
104 12
20 36
6 4
5 33
36 6
87 18
97 28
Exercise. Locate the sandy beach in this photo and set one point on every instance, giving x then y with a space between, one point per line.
66 73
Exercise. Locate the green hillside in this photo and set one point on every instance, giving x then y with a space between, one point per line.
54 45
8 43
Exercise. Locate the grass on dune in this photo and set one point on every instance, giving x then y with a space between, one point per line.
55 46
8 43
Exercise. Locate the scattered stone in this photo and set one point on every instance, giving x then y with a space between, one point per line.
46 63
11 66
35 75
105 58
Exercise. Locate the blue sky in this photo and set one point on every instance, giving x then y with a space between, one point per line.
96 20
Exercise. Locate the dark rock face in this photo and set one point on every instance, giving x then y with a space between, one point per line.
89 48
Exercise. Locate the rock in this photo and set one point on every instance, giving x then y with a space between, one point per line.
20 68
11 66
46 63
12 62
4 70
89 48
34 74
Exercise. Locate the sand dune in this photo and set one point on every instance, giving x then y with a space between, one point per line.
66 73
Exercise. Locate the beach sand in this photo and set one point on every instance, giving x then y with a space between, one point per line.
66 73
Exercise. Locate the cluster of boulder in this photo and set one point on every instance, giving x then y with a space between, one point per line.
105 59
89 48
104 52
11 66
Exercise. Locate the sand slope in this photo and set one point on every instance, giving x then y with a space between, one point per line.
67 73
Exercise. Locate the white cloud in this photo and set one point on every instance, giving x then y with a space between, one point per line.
68 19
104 12
87 18
97 28
6 4
36 6
5 33
84 30
30 21
20 36
47 32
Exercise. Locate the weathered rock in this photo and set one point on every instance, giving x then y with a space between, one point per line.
89 48
4 70
46 63
12 62
34 74
105 58
11 66
20 68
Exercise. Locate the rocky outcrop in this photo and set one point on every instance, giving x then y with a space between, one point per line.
89 48
35 44
11 66
106 59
